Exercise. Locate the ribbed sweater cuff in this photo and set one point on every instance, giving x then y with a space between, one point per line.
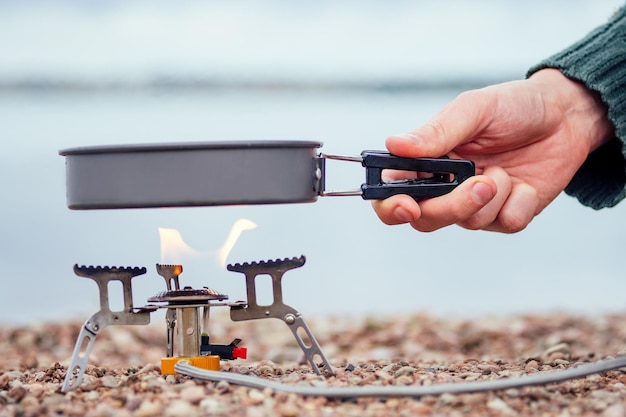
599 62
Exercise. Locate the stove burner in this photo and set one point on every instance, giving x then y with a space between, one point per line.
188 294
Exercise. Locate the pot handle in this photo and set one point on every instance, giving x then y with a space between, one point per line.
434 176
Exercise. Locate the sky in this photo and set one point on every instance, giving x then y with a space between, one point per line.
278 39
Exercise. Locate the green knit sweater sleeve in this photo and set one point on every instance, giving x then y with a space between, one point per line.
599 62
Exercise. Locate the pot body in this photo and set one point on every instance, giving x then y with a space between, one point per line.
192 174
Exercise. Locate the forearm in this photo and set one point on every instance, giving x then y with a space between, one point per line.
599 63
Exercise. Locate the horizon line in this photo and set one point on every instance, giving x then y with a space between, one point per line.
40 84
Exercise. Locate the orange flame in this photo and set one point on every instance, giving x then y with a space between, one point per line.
238 228
174 249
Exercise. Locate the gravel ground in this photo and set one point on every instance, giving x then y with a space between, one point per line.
123 377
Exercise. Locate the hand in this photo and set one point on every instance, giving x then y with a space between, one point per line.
527 138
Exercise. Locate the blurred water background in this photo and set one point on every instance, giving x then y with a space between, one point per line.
347 73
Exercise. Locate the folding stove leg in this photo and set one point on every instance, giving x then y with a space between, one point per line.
252 311
170 321
103 318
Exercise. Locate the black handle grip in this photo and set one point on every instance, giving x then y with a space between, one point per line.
445 175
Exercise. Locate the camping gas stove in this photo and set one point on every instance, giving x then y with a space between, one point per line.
187 316
222 173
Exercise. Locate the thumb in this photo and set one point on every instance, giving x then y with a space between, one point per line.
456 124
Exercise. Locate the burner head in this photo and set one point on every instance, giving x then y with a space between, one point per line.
187 295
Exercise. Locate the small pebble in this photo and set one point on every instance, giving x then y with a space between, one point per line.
193 394
29 402
255 397
532 366
17 393
92 395
109 381
288 410
255 412
403 380
487 369
563 348
4 380
30 361
149 368
383 375
212 406
35 389
390 369
149 408
448 399
405 370
223 386
265 370
615 410
499 406
179 408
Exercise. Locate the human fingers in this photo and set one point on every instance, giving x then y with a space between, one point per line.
489 213
457 123
520 208
395 175
457 206
397 209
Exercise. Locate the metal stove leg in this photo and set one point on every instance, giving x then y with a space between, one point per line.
312 348
103 318
79 358
170 322
279 310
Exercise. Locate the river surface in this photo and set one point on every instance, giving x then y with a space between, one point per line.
569 258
